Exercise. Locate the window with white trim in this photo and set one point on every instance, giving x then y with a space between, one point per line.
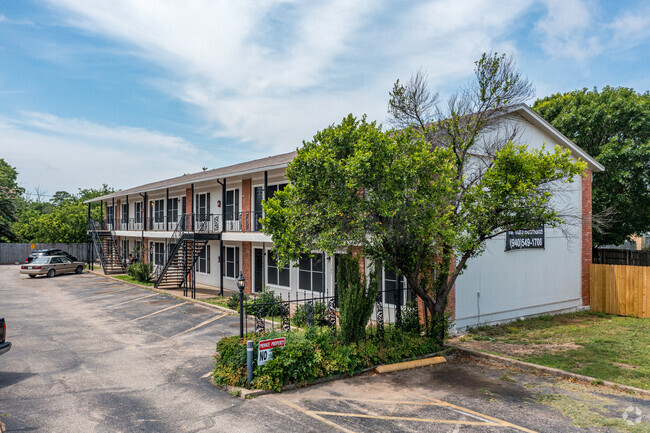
310 273
138 212
203 264
277 275
159 253
232 261
172 210
159 210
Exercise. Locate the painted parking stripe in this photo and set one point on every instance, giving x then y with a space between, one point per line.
405 418
199 325
108 293
315 416
496 420
456 409
159 311
132 300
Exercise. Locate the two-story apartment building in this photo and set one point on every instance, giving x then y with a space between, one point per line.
204 227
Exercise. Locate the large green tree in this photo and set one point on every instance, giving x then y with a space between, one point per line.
63 219
613 126
10 197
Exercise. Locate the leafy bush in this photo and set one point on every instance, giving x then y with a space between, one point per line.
267 297
312 354
233 301
410 317
141 272
300 316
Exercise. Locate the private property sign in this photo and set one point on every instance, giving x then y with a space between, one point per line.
265 350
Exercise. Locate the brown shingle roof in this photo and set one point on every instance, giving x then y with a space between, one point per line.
276 161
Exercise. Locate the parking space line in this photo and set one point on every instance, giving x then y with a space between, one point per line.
132 300
315 416
406 418
412 403
108 293
199 325
496 420
159 311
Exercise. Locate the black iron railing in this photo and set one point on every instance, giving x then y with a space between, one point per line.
193 222
393 307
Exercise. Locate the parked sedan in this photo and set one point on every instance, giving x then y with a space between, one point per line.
4 345
49 252
51 265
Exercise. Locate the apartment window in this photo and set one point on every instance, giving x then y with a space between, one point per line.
172 210
138 212
125 248
310 273
159 253
232 262
158 210
203 264
276 275
396 290
232 204
124 217
272 189
203 206
110 214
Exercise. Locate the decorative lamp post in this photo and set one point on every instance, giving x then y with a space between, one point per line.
241 283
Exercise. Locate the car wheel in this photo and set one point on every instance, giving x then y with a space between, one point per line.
79 269
32 276
51 273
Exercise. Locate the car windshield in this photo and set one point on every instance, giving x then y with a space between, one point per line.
42 260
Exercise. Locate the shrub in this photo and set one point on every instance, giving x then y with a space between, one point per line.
311 354
267 297
141 272
233 301
410 317
319 311
356 298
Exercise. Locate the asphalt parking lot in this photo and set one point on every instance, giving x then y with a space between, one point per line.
96 355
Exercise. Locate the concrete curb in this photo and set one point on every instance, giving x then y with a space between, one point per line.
410 364
416 362
534 368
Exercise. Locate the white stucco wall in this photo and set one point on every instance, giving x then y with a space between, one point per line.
504 285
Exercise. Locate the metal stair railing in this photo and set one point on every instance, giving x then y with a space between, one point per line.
172 246
99 247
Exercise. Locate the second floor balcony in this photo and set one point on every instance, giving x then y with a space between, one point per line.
194 222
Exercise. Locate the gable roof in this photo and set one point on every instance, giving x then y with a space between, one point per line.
531 115
257 165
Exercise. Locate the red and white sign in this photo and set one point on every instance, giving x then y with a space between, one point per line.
265 349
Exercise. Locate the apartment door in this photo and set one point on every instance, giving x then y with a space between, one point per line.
258 267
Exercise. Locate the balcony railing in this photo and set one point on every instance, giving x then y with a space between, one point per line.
201 223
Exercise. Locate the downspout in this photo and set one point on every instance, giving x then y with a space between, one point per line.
223 225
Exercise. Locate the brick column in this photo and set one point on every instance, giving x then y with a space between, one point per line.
188 207
247 265
117 210
587 243
246 223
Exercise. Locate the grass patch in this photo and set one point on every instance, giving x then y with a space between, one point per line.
603 346
130 279
217 300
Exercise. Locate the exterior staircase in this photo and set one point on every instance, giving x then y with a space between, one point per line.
106 249
182 257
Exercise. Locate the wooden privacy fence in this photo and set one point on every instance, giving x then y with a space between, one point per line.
621 290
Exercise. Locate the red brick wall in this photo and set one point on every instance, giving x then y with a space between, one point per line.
246 205
188 206
247 265
586 235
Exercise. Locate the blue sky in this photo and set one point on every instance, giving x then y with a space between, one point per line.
128 92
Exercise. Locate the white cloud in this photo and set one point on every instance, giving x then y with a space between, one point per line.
271 73
567 29
632 27
58 153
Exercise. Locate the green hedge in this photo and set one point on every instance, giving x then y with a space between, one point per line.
313 354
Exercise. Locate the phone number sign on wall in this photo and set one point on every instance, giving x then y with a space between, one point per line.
524 239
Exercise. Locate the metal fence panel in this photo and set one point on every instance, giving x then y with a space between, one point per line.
11 253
